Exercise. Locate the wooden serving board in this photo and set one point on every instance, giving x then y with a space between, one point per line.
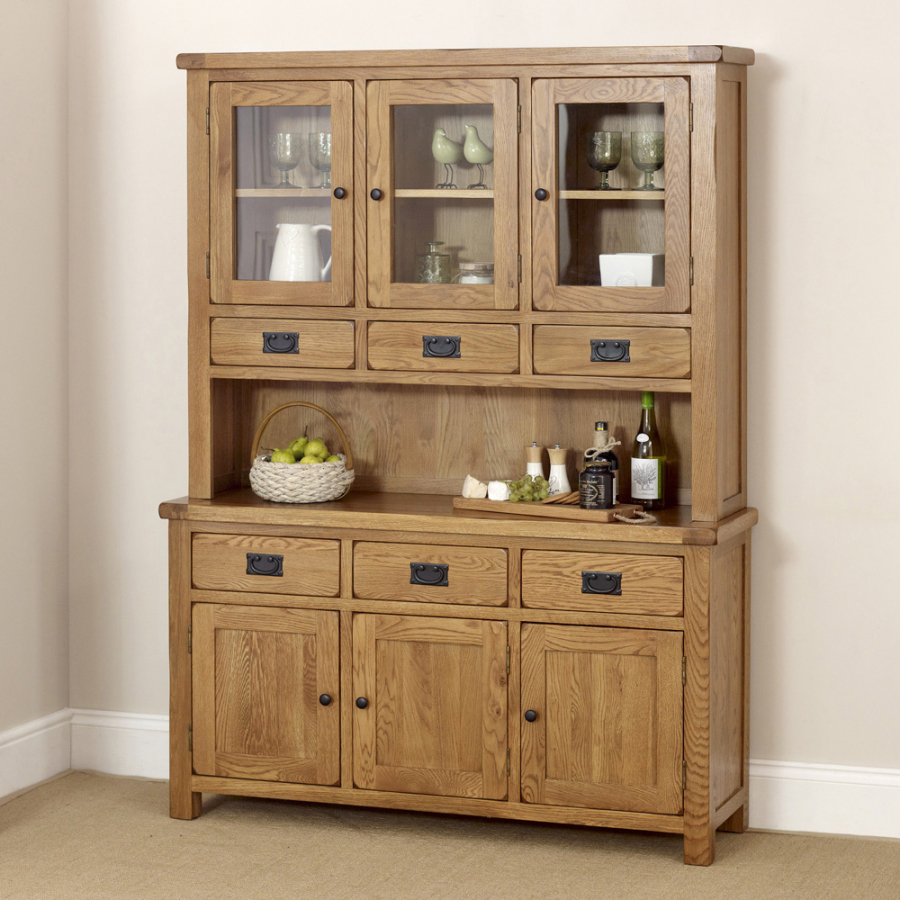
550 510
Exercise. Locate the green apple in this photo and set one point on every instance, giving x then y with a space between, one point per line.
283 456
310 460
317 447
333 458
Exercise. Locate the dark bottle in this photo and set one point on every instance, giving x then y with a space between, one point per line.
648 460
595 486
601 439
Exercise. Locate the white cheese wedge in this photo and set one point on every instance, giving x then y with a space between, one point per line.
498 490
473 489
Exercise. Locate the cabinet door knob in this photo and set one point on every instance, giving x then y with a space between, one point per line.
541 194
530 715
375 194
361 702
340 193
325 699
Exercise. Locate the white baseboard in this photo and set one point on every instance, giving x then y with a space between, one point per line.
784 796
120 743
829 799
35 751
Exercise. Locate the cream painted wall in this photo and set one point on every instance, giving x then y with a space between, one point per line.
823 231
34 436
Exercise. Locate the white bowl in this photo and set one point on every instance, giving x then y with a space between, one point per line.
632 269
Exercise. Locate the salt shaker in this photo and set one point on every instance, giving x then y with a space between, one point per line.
559 478
533 464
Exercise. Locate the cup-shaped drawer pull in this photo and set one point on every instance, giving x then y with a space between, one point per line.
265 564
281 342
431 574
441 345
601 583
603 350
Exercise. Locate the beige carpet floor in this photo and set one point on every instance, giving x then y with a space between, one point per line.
93 837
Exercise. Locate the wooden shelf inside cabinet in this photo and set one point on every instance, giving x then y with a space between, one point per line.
612 195
441 194
292 193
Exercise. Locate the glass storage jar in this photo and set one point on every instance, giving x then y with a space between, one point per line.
432 266
475 273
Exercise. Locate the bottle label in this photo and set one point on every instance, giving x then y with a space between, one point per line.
645 479
643 438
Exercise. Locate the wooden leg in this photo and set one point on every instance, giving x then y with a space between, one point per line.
699 843
183 802
739 821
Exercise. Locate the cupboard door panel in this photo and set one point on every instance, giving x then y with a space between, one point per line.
442 167
278 232
435 715
582 228
258 674
608 732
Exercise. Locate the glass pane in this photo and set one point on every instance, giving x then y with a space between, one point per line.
612 194
283 193
443 215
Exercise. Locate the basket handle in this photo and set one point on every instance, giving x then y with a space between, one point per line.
262 427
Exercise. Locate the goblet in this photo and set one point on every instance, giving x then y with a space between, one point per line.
284 153
604 151
647 154
320 155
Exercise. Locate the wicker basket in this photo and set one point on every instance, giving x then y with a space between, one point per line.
286 483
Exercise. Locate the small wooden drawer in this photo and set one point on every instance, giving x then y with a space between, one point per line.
267 565
603 582
602 350
474 576
310 344
443 347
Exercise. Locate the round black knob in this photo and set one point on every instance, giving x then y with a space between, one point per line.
340 193
541 194
375 194
530 715
325 699
361 702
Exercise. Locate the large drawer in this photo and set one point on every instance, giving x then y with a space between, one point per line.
267 565
603 582
310 344
602 350
443 347
431 573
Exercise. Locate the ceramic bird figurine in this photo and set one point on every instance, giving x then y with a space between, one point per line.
477 152
447 152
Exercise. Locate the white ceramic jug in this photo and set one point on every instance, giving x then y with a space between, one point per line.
298 254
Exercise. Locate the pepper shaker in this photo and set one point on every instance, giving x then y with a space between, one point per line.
533 464
559 478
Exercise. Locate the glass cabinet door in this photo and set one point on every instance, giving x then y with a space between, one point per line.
281 225
442 212
611 194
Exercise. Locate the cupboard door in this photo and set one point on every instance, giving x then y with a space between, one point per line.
429 711
426 184
266 693
623 246
608 727
281 216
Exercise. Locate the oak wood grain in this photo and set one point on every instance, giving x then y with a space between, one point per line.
651 585
310 567
320 344
476 575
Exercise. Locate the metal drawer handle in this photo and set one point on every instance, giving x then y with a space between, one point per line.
440 345
281 342
431 574
601 583
263 564
610 351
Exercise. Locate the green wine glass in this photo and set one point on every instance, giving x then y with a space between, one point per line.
604 152
647 153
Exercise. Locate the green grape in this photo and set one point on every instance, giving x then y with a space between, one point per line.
544 494
513 498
